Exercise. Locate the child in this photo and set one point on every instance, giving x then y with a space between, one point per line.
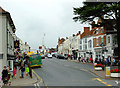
27 70
14 72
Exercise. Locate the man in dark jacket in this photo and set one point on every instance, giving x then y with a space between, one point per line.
5 75
22 68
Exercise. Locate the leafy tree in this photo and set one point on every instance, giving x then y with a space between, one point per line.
92 10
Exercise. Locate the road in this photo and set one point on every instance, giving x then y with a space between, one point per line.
58 72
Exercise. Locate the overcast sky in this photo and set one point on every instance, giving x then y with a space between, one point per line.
33 18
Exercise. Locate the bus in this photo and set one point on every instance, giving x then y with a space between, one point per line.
35 60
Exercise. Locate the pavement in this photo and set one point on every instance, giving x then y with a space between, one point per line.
26 81
101 74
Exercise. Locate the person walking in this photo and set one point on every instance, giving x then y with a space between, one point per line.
5 75
14 72
30 71
9 75
27 70
22 68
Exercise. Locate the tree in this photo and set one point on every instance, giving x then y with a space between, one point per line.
92 10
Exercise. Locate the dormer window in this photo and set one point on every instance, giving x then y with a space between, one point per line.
97 31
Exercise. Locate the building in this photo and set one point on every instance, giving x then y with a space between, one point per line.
60 45
26 48
7 31
66 47
77 45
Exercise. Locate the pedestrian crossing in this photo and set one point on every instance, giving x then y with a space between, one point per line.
37 85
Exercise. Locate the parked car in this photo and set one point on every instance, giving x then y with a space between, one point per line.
59 56
49 55
43 56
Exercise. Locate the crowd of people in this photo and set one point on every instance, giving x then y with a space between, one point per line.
104 61
20 65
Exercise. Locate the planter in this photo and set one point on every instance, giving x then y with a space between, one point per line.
98 68
115 74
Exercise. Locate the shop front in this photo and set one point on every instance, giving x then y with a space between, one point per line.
10 61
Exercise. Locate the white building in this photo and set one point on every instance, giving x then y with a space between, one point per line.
66 47
7 30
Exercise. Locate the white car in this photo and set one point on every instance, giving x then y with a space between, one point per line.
49 55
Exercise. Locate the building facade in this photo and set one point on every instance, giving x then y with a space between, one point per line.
7 30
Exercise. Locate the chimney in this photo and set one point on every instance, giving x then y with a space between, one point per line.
25 43
79 32
73 35
86 29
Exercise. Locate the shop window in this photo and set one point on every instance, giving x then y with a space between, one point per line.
10 64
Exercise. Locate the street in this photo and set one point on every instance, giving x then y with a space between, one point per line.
58 72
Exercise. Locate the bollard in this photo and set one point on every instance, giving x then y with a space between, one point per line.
108 71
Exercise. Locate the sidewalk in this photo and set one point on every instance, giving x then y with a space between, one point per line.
101 74
26 81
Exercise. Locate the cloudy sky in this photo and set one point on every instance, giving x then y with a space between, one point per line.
34 18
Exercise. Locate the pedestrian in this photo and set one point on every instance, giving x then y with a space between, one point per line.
0 81
79 59
27 70
87 59
100 60
9 75
22 68
90 60
5 75
14 72
30 71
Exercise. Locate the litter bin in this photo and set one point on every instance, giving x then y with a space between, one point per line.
107 71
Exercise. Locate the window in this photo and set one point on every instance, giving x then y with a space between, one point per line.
102 39
80 47
97 31
108 39
115 40
102 30
86 40
80 41
85 46
97 42
90 43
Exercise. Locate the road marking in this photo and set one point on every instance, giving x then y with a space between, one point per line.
41 80
117 82
109 85
104 82
101 81
38 76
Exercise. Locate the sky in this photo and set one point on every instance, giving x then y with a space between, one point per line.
38 20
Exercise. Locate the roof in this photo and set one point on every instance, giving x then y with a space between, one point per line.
87 32
3 12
